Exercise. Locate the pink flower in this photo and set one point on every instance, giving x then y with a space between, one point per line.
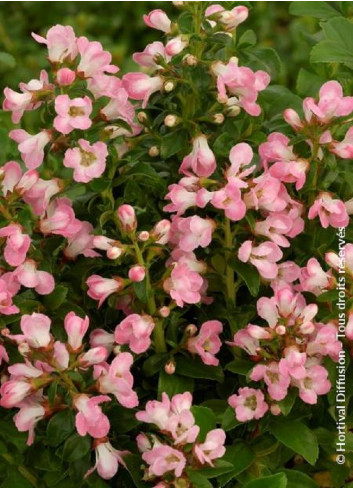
344 148
81 243
187 193
331 102
314 279
240 156
293 363
94 356
100 288
275 227
28 276
242 83
107 460
248 404
100 337
247 342
325 342
3 353
331 212
184 285
157 412
192 232
90 418
36 330
10 175
212 448
61 43
268 194
118 380
6 305
31 411
201 161
229 19
17 244
39 195
31 147
207 343
162 459
61 355
13 392
175 46
72 113
111 246
276 381
93 58
151 55
135 330
313 384
140 86
264 257
229 199
75 328
60 219
127 218
88 161
158 19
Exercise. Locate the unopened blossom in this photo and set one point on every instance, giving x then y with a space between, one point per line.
3 355
240 157
135 330
88 160
248 404
264 257
127 218
72 113
244 340
94 356
60 219
162 459
93 59
212 448
118 380
140 86
158 19
137 273
90 418
107 460
36 330
228 19
112 247
10 175
13 392
61 43
162 232
207 343
331 211
29 276
17 244
75 328
61 355
65 77
342 260
201 161
30 413
30 146
176 45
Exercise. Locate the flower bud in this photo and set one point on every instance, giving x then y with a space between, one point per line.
190 60
191 330
24 349
153 151
137 273
161 231
218 118
178 4
117 349
281 330
127 218
169 367
142 117
171 120
292 118
65 77
233 110
144 236
275 409
164 311
114 252
169 86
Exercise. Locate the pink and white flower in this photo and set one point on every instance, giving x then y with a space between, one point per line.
17 244
61 43
248 404
99 288
331 212
31 147
87 160
264 257
135 330
93 58
207 343
212 448
140 86
90 418
201 161
158 19
75 328
72 113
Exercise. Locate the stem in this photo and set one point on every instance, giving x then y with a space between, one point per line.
314 162
228 241
158 332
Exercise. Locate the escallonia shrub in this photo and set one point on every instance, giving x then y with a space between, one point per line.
174 244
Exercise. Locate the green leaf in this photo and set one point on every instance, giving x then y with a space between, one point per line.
122 419
288 402
133 465
241 457
154 363
141 290
197 479
265 59
338 44
205 419
276 480
299 479
194 368
174 384
248 38
249 274
76 447
173 142
54 300
296 436
308 83
319 10
7 61
60 426
240 366
220 467
229 421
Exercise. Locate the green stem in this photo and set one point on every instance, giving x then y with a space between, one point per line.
158 332
228 241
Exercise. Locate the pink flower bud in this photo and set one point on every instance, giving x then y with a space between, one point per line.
95 355
281 330
127 218
164 311
65 77
144 236
137 273
169 367
191 330
114 252
75 328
